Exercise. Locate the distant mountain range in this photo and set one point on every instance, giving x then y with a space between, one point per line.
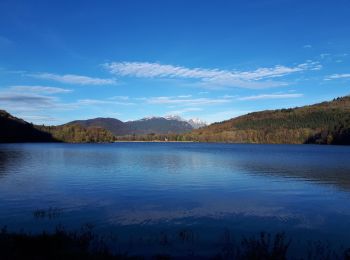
194 122
144 126
323 123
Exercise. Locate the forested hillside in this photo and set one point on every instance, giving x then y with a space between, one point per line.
115 126
15 130
324 123
78 134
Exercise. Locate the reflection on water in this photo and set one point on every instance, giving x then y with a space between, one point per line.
328 165
132 187
8 159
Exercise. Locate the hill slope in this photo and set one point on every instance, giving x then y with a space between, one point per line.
115 126
157 125
153 125
14 130
327 122
75 133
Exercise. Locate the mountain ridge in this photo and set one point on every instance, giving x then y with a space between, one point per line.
170 124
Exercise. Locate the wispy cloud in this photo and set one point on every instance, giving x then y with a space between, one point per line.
229 96
38 118
39 100
338 76
307 46
39 89
186 101
24 98
23 102
119 98
184 110
271 96
244 79
73 79
151 70
102 102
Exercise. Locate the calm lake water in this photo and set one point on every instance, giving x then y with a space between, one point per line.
143 193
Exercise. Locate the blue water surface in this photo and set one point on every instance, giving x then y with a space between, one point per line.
140 191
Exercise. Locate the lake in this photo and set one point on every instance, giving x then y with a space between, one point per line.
141 195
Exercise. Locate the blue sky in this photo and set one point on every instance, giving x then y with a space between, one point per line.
214 60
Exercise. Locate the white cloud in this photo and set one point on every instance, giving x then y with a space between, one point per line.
27 99
244 79
185 101
271 96
73 79
24 102
223 83
307 46
23 98
39 89
184 110
119 98
37 118
338 76
229 96
102 102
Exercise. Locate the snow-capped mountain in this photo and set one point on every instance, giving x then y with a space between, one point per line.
148 118
197 123
194 122
174 117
